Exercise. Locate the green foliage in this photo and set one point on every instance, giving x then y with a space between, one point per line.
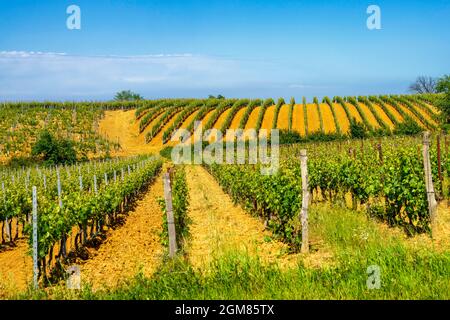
319 111
357 129
182 116
423 105
383 125
291 113
238 105
385 109
333 111
443 102
251 106
267 103
320 136
396 183
180 206
220 97
274 198
443 84
152 114
20 162
127 95
405 102
81 205
165 118
289 137
166 152
444 106
53 150
344 106
278 106
361 112
397 107
145 107
221 108
22 123
354 241
408 127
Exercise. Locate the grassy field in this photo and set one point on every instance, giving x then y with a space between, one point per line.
232 254
410 269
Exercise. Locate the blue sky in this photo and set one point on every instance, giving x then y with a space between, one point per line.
189 48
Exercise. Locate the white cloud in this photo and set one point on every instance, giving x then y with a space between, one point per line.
50 74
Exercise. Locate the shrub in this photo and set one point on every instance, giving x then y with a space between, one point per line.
408 127
54 150
357 129
289 137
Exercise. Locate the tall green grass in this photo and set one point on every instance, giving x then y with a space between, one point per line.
355 243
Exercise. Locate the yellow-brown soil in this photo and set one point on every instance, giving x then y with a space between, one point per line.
298 119
354 112
370 117
204 121
424 114
131 248
383 115
433 108
344 122
221 119
283 117
123 126
251 122
157 140
218 226
184 125
328 120
394 111
411 114
313 118
15 269
237 118
268 118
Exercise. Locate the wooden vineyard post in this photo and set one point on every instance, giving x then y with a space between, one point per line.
305 201
438 146
35 240
170 218
432 204
380 152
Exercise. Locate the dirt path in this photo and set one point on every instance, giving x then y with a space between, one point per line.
218 226
131 248
122 126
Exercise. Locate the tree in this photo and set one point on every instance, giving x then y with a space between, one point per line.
53 150
127 95
424 84
443 84
218 97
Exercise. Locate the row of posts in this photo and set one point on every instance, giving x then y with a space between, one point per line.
35 219
431 195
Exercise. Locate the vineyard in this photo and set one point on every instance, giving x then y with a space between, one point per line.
380 115
127 207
